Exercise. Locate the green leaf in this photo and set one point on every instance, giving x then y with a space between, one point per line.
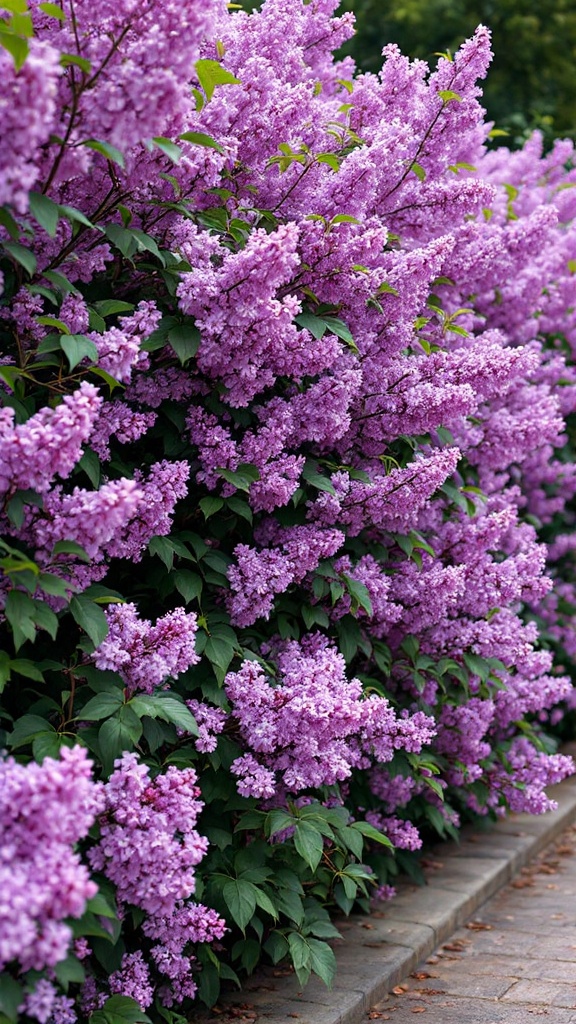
20 612
119 1010
266 904
477 666
47 744
69 971
300 956
360 594
22 255
185 341
188 584
369 832
309 843
276 946
53 11
7 221
11 997
90 618
15 509
200 139
70 547
106 149
45 211
90 463
352 840
240 507
329 158
315 324
314 616
240 898
15 6
210 506
242 477
322 960
110 307
219 652
16 46
340 329
322 483
118 734
101 706
418 170
112 383
344 218
448 94
277 821
78 347
59 280
52 321
170 149
76 216
45 618
27 728
27 669
99 904
77 61
122 238
175 711
164 549
4 669
210 74
89 924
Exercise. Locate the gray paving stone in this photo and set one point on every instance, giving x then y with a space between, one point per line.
508 939
387 928
442 909
488 963
545 992
463 983
555 947
456 1010
537 969
485 874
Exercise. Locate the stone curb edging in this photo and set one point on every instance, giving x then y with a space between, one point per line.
377 952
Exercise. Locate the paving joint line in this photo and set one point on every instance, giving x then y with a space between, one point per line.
379 951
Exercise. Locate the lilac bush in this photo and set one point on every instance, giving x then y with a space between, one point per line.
287 484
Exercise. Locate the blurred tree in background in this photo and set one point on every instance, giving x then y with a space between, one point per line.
532 82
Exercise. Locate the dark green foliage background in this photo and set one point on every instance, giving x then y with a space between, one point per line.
532 82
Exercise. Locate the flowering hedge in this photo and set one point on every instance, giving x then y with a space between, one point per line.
286 364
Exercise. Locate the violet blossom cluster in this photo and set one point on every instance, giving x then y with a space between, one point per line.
45 810
149 848
313 727
349 323
147 655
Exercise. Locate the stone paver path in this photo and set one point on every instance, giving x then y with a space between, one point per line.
515 961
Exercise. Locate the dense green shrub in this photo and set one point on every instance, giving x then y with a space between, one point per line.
286 361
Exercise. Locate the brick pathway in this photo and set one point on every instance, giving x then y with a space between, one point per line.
513 962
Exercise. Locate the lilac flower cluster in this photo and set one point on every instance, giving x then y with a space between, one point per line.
49 444
149 848
312 727
45 809
146 656
350 324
